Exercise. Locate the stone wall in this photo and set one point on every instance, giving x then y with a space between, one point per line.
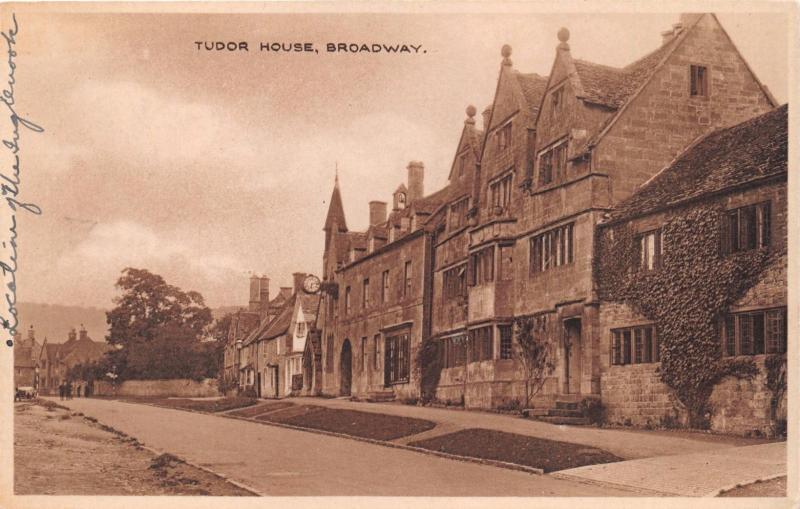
160 388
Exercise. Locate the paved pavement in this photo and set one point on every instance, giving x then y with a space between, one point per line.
694 475
280 461
628 444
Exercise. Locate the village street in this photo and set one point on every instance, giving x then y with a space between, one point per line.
278 461
273 460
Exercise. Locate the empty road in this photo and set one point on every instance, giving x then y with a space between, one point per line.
279 461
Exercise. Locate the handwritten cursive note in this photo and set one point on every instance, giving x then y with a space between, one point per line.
10 185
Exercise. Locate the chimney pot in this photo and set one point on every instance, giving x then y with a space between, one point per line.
377 212
31 333
82 332
416 176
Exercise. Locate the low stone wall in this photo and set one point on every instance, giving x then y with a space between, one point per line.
634 395
161 388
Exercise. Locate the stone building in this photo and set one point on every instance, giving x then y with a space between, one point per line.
742 172
26 359
56 359
558 152
273 352
373 323
260 311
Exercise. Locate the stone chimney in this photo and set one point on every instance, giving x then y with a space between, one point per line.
416 176
487 114
82 333
298 278
377 212
263 292
72 334
255 292
31 334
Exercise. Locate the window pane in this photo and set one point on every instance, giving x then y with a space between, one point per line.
638 346
626 347
730 336
758 333
648 345
616 349
745 335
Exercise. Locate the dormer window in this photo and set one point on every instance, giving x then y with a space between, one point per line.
401 200
301 330
699 81
504 137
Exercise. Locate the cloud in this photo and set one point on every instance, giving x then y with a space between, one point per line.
109 248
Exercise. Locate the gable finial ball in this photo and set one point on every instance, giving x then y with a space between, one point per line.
506 51
563 34
471 111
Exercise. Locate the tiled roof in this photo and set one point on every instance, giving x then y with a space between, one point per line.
611 86
280 324
533 88
723 159
310 305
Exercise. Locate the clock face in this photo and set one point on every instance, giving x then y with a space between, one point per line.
311 284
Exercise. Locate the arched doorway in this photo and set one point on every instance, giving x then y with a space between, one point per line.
346 368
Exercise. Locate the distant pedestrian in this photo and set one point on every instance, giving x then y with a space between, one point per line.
61 390
69 390
79 390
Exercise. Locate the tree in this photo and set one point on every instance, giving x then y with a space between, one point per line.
148 305
532 350
157 329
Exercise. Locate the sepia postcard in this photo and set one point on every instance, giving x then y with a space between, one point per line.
356 254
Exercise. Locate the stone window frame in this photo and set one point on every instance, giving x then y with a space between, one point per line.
629 345
385 284
500 191
347 301
504 136
398 357
408 275
481 343
364 354
549 174
771 318
647 263
457 214
699 82
365 293
732 242
557 101
481 266
376 352
506 333
454 282
454 351
551 249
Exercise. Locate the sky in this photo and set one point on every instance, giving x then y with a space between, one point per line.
207 167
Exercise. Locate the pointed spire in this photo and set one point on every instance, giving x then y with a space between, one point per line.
335 208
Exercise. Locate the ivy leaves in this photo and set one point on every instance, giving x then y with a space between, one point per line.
686 297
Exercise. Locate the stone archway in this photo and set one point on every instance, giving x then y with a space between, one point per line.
346 369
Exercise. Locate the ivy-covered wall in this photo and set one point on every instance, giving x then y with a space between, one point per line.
686 299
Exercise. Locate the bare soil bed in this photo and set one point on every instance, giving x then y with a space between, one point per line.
772 488
201 405
549 455
57 452
261 409
349 422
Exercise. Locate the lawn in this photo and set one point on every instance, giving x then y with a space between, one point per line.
200 405
549 455
349 422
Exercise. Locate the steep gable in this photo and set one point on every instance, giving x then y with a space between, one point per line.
662 117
